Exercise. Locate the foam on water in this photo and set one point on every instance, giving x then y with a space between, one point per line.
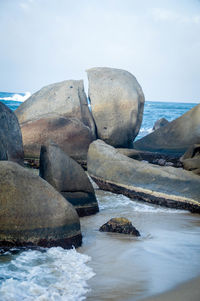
108 200
17 97
53 275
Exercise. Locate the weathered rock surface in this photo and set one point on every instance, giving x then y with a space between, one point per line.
33 213
11 147
119 225
68 177
151 157
160 123
191 159
176 137
117 103
167 186
66 98
70 134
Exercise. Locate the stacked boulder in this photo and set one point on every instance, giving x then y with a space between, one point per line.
117 103
58 113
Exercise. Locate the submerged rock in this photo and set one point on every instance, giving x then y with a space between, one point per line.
162 185
117 103
11 147
160 123
68 177
191 159
33 213
176 137
70 134
119 225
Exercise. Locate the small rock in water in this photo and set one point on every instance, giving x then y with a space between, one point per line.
119 225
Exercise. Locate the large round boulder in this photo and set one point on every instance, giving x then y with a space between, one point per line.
66 98
33 213
69 178
117 103
70 134
11 147
175 137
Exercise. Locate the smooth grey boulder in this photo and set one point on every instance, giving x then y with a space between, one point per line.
160 123
33 213
167 186
11 147
70 134
68 177
191 159
66 98
117 103
176 137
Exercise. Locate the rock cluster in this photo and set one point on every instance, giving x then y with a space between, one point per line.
119 225
191 159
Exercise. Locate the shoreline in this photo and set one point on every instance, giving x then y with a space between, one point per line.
186 291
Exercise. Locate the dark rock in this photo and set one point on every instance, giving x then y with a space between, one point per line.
119 225
162 185
70 134
151 157
160 123
33 213
68 177
191 159
11 147
174 138
117 103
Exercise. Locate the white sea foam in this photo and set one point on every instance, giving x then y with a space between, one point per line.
146 130
108 200
18 97
54 275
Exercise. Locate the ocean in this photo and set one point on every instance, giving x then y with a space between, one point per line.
110 266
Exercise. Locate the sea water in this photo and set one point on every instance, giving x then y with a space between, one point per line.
110 266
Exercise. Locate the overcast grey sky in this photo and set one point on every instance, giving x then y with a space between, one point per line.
46 41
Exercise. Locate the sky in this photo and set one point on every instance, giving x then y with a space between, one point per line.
47 41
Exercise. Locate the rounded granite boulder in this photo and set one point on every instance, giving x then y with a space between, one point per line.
117 102
11 147
69 178
33 213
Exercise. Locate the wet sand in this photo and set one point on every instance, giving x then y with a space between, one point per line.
130 268
189 291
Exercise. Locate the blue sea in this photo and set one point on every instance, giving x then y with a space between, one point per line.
153 110
166 254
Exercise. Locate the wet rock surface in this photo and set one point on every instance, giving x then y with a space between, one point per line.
119 225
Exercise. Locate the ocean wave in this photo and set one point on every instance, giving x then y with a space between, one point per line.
109 200
18 97
53 275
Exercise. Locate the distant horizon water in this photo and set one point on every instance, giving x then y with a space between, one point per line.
153 110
